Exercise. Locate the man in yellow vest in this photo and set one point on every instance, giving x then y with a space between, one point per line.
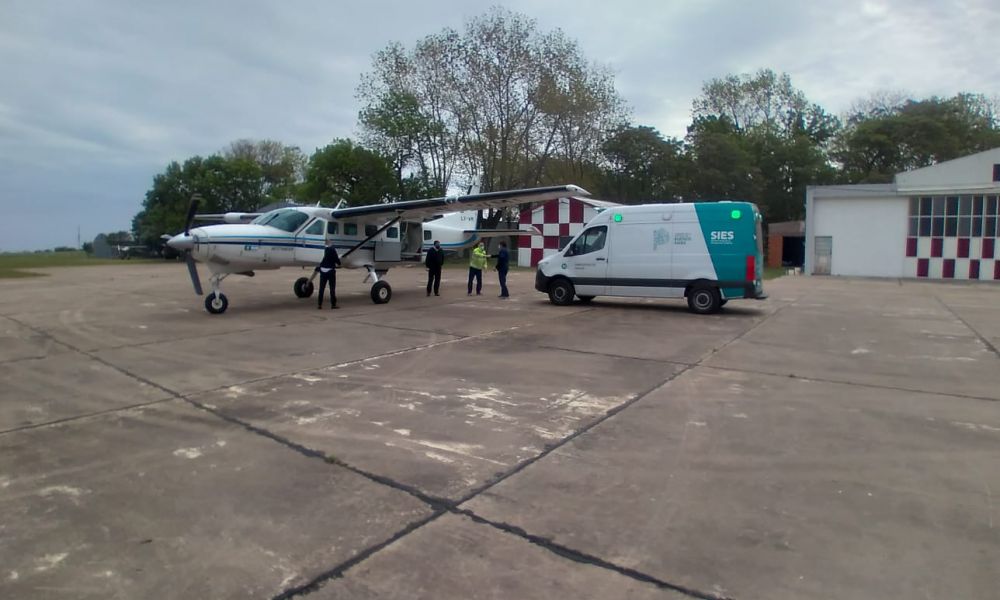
477 264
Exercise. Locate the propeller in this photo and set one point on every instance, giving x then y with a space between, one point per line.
193 272
191 264
192 210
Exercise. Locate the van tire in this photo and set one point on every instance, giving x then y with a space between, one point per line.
586 299
561 292
704 299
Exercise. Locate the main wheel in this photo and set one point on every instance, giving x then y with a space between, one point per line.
216 304
586 299
704 299
561 292
303 287
381 292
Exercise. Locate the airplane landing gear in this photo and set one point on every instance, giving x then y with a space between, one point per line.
303 287
216 302
381 290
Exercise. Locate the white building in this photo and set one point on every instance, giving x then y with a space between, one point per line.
939 222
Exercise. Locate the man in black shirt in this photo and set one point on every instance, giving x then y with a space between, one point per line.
503 263
434 261
328 275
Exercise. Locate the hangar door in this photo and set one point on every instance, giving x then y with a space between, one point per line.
824 255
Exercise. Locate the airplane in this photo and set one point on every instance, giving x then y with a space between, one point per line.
367 237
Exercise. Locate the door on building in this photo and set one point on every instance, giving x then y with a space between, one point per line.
824 255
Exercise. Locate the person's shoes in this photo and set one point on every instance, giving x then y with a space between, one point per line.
479 293
469 294
436 294
320 307
334 307
428 294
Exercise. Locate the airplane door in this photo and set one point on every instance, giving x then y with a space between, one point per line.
587 262
310 243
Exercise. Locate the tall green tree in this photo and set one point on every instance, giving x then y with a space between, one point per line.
282 167
643 166
884 140
490 106
345 171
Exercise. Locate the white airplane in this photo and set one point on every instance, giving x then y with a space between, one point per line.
367 237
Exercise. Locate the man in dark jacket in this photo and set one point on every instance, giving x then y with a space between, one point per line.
503 263
434 261
328 275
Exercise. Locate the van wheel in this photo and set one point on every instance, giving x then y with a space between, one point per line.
561 292
704 299
586 299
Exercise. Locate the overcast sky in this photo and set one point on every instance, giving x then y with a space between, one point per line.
97 97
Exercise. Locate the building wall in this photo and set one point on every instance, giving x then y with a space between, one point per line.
558 220
869 234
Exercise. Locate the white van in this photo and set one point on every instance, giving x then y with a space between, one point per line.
707 252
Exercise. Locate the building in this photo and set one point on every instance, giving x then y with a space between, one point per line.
558 220
786 244
938 222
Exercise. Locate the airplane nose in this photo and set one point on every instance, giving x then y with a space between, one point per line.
181 241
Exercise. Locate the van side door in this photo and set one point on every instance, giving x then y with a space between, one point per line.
587 261
641 261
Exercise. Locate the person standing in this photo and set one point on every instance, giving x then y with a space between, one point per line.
477 263
503 263
328 275
434 261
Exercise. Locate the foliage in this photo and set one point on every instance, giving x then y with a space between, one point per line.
489 107
247 176
883 139
345 171
643 166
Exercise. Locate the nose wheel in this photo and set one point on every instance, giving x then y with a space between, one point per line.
216 303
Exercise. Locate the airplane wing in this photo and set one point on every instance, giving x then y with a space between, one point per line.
420 209
529 230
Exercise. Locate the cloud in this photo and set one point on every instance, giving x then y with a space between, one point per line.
98 97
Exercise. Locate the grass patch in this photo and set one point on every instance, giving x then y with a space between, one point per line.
13 266
773 272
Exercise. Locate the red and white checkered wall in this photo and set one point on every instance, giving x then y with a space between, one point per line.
953 237
556 219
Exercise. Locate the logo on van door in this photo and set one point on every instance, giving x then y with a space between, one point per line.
661 237
723 237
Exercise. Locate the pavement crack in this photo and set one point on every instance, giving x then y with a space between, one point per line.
588 559
985 341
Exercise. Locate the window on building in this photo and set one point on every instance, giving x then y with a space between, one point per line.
427 235
996 172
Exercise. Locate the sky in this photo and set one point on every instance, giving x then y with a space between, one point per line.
98 97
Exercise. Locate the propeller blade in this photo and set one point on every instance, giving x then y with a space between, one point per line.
192 210
193 271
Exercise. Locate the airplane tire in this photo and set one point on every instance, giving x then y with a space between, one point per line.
303 287
381 292
216 305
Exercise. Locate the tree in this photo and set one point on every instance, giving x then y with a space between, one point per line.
345 171
759 138
642 166
915 133
282 167
489 107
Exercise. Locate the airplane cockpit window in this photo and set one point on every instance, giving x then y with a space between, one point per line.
288 220
316 228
